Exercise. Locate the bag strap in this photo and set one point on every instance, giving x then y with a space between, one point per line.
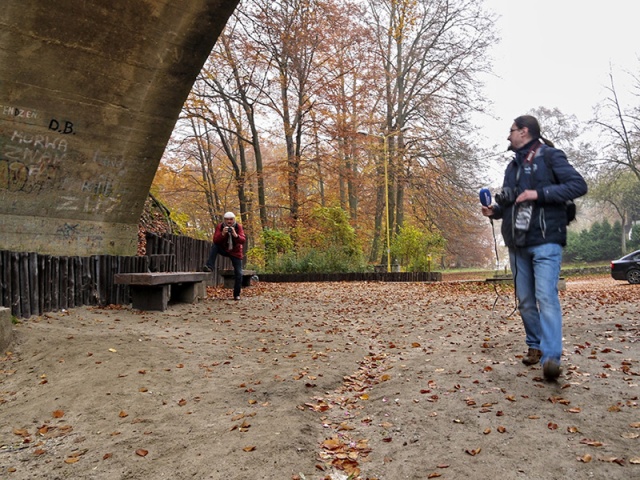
547 164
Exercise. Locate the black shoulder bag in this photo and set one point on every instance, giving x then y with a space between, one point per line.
570 206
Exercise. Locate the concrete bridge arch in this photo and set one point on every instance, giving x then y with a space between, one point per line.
89 94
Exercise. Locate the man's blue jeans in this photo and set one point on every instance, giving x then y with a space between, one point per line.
237 266
536 271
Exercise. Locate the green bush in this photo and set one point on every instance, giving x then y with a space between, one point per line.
634 242
600 242
414 248
333 260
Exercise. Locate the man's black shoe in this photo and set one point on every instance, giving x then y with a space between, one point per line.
551 370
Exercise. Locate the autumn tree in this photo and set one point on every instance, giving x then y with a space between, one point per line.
431 52
620 190
331 103
288 35
621 125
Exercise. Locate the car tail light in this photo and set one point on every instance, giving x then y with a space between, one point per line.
611 265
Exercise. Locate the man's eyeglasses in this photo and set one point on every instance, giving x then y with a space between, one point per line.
511 130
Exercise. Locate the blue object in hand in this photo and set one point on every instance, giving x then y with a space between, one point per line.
485 197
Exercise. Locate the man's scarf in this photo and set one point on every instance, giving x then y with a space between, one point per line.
230 238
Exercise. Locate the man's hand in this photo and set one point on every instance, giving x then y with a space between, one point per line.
527 195
487 211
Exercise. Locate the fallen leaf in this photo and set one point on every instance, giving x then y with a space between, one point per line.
57 414
71 460
591 443
585 459
630 435
502 429
141 452
112 350
123 414
434 475
250 448
473 452
635 460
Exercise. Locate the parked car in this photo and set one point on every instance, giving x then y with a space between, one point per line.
627 268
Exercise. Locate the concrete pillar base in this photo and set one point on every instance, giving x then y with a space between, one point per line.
5 329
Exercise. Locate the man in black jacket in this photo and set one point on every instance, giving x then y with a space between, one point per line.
532 206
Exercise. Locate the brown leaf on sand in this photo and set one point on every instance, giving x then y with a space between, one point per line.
591 443
249 448
141 452
585 458
473 452
57 414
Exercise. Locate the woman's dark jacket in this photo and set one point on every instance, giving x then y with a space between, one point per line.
554 185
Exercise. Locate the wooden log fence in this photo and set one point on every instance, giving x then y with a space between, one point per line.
33 284
352 277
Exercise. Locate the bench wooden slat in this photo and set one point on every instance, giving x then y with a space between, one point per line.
159 278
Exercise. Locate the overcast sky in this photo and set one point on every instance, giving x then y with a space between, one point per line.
557 53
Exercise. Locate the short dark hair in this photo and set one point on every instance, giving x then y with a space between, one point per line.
533 126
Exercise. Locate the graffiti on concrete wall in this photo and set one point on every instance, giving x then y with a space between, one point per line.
37 161
28 162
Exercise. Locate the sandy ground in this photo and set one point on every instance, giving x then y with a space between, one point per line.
325 381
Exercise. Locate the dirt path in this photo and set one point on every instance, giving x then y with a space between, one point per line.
319 381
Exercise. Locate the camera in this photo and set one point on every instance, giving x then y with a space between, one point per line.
506 197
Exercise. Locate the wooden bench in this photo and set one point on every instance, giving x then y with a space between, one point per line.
152 291
228 276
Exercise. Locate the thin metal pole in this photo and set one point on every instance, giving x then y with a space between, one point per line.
386 198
